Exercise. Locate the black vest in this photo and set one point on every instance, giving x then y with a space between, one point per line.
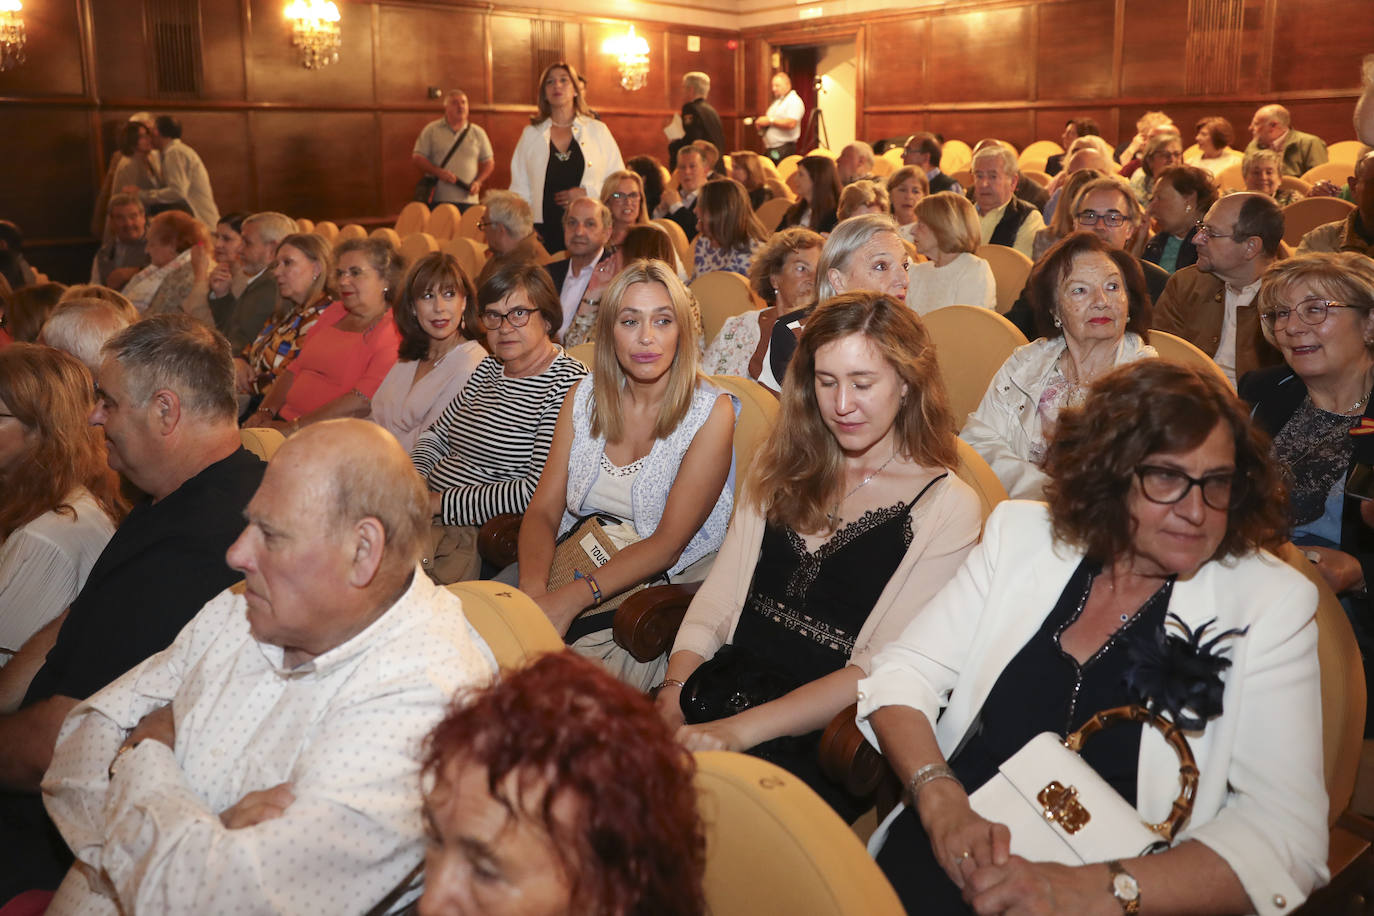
1015 214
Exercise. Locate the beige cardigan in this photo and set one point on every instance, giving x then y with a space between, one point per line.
945 525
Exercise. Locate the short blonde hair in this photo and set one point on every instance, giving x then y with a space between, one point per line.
862 193
952 220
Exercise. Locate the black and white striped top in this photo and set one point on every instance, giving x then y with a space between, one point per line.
487 450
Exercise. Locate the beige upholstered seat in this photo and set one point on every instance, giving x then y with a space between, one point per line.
787 165
1302 216
978 474
955 155
1289 183
1338 173
774 848
721 295
779 188
1346 151
1037 154
971 344
262 441
471 255
327 231
513 626
416 245
679 238
963 176
414 217
467 226
351 231
305 225
444 221
1010 268
1176 349
387 234
1231 179
1038 176
583 353
882 167
770 212
822 151
894 155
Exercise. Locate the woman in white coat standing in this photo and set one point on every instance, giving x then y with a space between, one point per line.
564 154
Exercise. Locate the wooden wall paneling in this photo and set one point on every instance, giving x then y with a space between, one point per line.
53 67
317 163
714 59
1073 52
1155 39
512 77
980 56
1319 43
1257 45
422 46
886 124
1049 122
603 76
397 133
974 125
279 76
117 27
640 134
222 50
55 197
504 129
221 139
1327 118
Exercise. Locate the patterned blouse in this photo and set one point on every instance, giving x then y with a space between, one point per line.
279 342
706 257
734 346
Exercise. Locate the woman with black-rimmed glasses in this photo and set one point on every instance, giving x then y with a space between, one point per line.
485 454
623 194
1317 310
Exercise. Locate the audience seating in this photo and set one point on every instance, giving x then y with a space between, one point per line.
555 257
894 155
1037 176
1338 173
1231 179
327 231
721 295
1177 350
1302 216
787 165
583 353
971 344
963 176
822 151
444 221
1289 183
1346 152
882 167
414 217
513 626
679 237
304 225
779 188
415 246
955 155
770 212
1037 154
1010 268
471 255
352 231
262 441
387 234
774 848
467 226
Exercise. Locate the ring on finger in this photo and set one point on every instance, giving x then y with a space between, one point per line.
959 859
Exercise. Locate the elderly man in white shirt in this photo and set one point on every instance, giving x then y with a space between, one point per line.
781 125
267 761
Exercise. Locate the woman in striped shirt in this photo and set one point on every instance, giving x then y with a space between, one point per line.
485 454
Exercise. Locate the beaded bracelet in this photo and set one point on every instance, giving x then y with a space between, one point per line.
596 589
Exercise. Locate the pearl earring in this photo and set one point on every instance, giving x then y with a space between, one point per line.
1057 322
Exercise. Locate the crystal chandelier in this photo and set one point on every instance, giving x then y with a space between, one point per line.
11 34
632 54
315 30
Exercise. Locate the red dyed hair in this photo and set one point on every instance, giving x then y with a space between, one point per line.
567 729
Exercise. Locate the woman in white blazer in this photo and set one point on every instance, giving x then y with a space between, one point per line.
1161 499
564 154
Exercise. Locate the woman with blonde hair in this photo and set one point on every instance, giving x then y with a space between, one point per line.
730 233
905 188
623 195
746 167
1161 152
863 196
303 270
647 440
850 519
563 154
61 501
947 234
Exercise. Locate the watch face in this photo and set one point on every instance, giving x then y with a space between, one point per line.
1125 887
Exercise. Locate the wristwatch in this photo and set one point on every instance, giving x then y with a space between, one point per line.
1124 888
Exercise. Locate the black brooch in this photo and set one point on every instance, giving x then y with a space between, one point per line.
1178 674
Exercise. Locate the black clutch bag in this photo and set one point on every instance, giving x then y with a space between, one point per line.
731 681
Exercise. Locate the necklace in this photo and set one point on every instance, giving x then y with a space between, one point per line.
555 123
834 516
1358 406
563 156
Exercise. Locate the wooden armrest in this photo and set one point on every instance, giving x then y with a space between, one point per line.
846 757
647 621
498 540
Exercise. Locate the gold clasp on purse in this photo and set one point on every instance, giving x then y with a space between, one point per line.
1062 806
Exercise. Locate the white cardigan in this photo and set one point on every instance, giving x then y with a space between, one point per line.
1007 422
531 158
1261 799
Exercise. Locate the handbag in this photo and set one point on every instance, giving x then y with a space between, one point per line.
425 187
1060 810
736 679
581 551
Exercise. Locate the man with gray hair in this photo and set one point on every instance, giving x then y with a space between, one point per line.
586 232
1005 219
241 317
126 254
165 400
267 761
855 162
700 121
81 327
509 230
1272 129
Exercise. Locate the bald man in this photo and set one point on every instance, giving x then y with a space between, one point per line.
1272 128
267 761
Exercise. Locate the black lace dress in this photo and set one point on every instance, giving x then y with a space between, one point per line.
1042 689
564 171
805 609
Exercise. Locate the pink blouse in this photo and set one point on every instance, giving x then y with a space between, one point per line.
334 362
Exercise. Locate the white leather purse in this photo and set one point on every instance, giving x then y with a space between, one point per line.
1060 810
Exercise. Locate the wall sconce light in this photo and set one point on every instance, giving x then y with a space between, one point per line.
315 30
12 35
631 52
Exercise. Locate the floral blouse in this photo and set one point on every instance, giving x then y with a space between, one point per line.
734 346
279 343
706 257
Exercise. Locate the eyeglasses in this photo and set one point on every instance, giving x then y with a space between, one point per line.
352 272
485 224
1310 311
1166 486
1205 231
620 195
518 318
1111 218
